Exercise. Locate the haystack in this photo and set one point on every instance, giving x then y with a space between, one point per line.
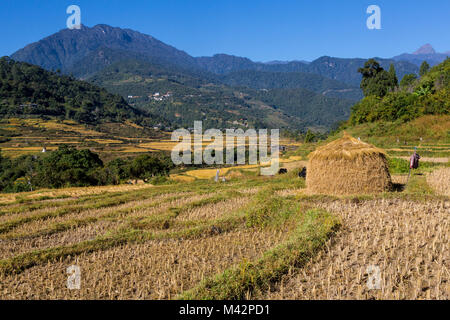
348 166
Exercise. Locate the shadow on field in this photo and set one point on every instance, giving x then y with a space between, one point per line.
398 187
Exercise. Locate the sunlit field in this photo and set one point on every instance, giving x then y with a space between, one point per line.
30 136
250 237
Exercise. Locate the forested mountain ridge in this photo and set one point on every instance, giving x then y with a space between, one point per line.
292 80
222 90
346 70
316 110
65 49
183 98
150 94
74 51
26 89
340 69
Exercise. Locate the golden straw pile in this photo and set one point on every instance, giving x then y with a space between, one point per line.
348 166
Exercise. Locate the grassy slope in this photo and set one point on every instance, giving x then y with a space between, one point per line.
432 129
398 138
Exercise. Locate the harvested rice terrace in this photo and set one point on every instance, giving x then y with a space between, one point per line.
29 136
250 237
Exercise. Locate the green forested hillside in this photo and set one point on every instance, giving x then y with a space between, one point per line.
190 97
411 99
30 90
292 80
183 98
339 69
139 78
314 109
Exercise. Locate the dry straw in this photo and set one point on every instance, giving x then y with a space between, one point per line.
348 166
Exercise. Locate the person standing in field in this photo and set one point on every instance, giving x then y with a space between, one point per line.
413 162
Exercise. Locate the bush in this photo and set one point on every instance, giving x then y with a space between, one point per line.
147 166
17 175
158 180
408 80
69 167
362 111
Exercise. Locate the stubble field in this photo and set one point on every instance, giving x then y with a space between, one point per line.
250 237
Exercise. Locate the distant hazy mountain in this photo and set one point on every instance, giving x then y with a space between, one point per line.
340 69
286 62
425 49
424 53
224 63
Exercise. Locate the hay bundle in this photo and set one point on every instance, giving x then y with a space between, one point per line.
348 166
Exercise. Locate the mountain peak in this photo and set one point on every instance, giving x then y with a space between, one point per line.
66 49
425 49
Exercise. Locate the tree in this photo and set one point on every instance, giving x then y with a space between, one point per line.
376 81
393 76
424 68
309 137
415 98
4 165
408 80
17 175
371 69
116 171
68 166
147 166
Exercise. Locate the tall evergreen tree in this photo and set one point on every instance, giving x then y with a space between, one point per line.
393 76
424 68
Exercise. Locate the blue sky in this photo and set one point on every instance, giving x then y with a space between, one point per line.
262 30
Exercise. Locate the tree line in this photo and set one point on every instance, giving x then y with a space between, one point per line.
388 100
27 89
70 167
